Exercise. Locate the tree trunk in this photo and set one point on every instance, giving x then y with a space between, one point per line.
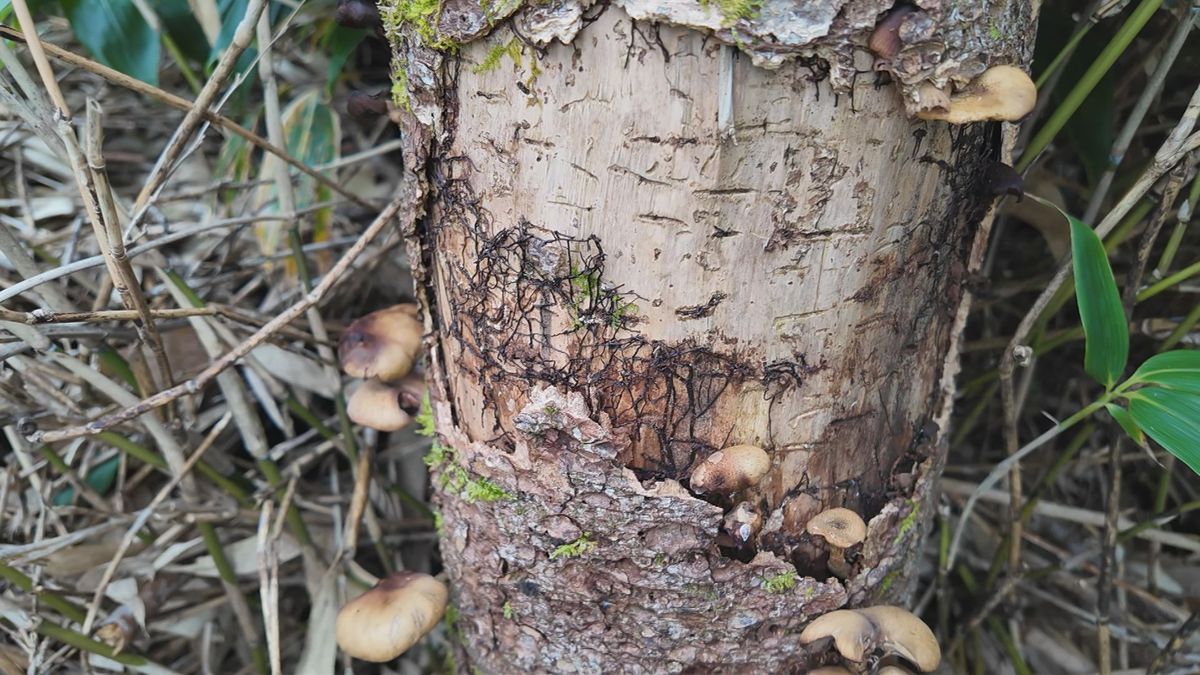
639 248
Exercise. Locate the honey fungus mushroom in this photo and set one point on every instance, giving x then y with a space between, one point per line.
904 634
386 407
841 528
1001 93
383 344
894 631
731 470
384 622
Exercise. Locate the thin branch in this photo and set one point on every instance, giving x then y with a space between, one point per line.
195 115
125 280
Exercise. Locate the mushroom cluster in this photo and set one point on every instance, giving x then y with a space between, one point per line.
382 348
856 634
384 622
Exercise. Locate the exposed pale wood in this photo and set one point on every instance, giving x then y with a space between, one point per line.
782 266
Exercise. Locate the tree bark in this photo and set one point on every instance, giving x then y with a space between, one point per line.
640 247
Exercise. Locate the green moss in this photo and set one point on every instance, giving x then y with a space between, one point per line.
910 519
495 55
589 286
780 583
580 546
451 618
421 15
424 419
438 455
887 582
735 10
400 96
454 478
509 613
484 490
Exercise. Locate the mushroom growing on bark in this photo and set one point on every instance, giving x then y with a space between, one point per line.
731 469
384 622
852 633
841 528
364 106
902 633
1001 93
743 523
885 40
386 407
383 344
895 631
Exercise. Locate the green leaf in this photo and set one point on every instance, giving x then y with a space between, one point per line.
1172 418
1179 369
179 21
117 35
1107 334
1123 418
100 478
339 43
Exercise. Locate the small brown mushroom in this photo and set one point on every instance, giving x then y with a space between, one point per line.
383 344
1001 93
885 41
386 407
731 469
853 634
841 528
363 106
358 14
384 622
743 523
903 633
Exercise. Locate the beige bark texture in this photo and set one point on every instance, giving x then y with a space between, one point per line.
642 245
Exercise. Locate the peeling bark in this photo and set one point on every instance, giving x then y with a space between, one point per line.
640 248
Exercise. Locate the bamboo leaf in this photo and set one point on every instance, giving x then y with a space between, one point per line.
1106 348
116 35
1172 418
1127 423
1179 369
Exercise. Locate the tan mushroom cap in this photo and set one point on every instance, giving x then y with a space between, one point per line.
842 528
903 633
731 469
386 407
892 670
382 344
384 622
853 633
1001 93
